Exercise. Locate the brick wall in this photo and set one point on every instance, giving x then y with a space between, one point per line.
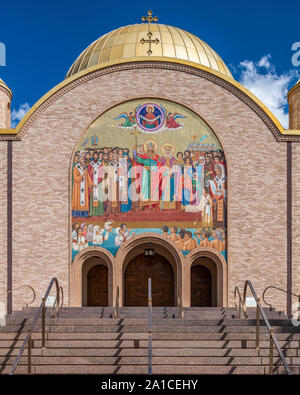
4 109
3 220
4 123
296 219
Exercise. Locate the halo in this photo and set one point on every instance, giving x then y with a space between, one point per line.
150 106
168 145
140 110
154 143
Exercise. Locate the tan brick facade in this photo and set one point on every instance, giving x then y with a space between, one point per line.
257 224
5 99
3 219
296 219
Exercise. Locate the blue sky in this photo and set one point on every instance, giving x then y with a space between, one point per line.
254 38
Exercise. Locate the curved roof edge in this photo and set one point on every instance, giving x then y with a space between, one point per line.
293 88
71 79
4 86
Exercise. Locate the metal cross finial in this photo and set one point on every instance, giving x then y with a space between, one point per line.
149 19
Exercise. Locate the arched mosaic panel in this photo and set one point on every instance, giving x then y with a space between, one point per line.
149 166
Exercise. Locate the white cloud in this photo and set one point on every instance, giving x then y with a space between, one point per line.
271 88
265 62
17 115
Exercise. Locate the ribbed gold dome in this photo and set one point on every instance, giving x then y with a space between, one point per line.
124 44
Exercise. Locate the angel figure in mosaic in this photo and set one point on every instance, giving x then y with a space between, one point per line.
129 120
171 120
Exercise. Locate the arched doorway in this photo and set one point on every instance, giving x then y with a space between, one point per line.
218 269
201 289
83 262
137 272
95 287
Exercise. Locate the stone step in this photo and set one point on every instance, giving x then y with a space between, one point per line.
136 352
143 369
137 308
164 360
136 335
144 328
143 312
154 308
155 343
187 317
140 321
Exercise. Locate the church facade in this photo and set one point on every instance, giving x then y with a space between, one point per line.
149 160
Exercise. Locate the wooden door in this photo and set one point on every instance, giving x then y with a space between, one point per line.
200 286
136 281
97 286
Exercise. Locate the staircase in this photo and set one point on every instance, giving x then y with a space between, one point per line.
88 340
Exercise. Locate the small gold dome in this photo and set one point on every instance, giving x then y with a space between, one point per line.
3 85
124 44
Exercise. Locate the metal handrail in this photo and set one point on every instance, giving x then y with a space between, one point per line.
282 290
62 296
179 302
241 303
149 327
41 312
22 286
273 339
117 303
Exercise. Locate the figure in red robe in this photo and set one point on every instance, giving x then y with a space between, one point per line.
150 121
170 122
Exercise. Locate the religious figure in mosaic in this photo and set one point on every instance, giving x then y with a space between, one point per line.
171 121
129 120
96 173
82 183
167 176
150 176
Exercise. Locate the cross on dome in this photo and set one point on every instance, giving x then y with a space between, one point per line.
149 19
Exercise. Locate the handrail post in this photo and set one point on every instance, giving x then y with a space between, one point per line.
29 346
271 352
179 299
149 327
57 301
241 303
43 322
257 323
62 296
117 304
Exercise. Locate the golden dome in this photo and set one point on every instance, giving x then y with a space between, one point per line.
124 44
